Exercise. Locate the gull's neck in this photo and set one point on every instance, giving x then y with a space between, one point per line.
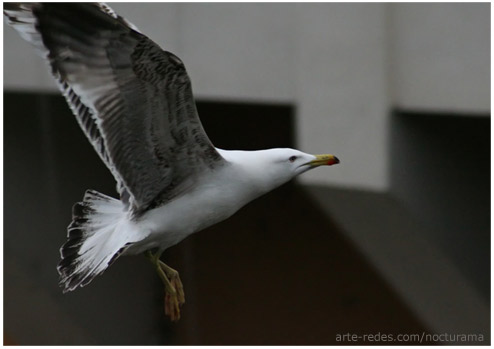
256 168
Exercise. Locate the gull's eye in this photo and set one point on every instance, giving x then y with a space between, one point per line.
292 158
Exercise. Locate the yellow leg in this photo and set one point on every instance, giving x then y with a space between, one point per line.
174 278
174 291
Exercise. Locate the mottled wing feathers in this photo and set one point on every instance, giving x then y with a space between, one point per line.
132 99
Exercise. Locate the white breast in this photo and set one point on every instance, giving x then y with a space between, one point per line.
213 199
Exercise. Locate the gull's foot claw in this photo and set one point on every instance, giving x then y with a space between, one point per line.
172 306
177 284
174 296
174 290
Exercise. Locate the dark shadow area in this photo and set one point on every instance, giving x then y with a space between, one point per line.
392 240
279 272
440 170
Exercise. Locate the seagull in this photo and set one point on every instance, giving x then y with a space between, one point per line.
134 103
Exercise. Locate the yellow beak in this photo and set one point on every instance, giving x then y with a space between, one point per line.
324 160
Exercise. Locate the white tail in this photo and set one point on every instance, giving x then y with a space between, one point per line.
100 231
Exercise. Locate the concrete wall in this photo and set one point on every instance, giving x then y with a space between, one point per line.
441 56
439 146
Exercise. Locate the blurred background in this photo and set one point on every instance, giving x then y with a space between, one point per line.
394 240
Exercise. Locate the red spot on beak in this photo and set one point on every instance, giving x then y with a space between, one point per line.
333 161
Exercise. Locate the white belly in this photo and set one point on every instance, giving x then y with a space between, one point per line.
207 204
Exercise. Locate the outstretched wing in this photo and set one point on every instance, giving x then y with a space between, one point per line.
132 99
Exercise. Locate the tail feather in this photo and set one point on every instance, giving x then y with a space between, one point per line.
99 233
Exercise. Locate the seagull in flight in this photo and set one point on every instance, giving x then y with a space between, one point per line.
134 103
